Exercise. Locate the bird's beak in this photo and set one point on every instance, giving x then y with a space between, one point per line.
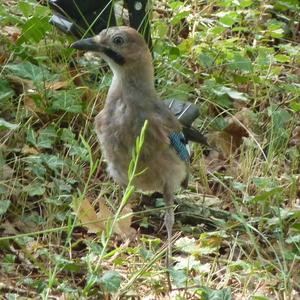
88 44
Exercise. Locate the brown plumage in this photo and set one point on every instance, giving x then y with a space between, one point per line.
130 101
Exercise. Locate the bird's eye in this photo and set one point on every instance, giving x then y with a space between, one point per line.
118 40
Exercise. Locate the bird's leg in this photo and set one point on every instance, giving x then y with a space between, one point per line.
169 220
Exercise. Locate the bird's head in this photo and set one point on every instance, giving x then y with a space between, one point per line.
121 47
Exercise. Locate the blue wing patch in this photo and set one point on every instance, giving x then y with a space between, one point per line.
178 142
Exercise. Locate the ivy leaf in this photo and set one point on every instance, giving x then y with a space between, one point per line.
282 58
206 60
224 90
54 162
188 245
210 294
5 90
146 254
68 136
68 101
245 3
179 277
46 137
264 196
111 281
295 106
227 19
30 71
293 239
35 189
4 205
240 63
34 29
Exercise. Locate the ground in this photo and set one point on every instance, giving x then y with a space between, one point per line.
237 229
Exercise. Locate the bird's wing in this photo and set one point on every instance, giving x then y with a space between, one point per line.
168 131
179 143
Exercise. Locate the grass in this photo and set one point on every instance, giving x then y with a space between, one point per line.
237 228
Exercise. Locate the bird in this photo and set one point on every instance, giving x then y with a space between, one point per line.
131 100
68 19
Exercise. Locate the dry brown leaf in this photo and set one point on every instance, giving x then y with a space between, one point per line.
88 95
57 85
29 150
12 32
77 77
223 141
88 216
20 85
3 58
6 172
230 139
8 228
29 104
295 140
96 222
123 227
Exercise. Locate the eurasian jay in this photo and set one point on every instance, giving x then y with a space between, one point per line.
130 101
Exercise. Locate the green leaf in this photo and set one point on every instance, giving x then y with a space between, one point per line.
174 5
280 117
279 133
179 16
146 254
34 30
217 30
31 137
240 63
224 90
74 148
206 60
68 136
174 51
210 294
31 8
282 58
275 28
266 195
6 91
68 101
26 8
66 264
179 277
27 70
190 263
228 18
293 88
287 4
295 106
54 162
4 205
6 125
46 138
34 164
219 123
260 298
188 245
35 189
239 186
161 29
264 183
245 3
111 281
293 239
